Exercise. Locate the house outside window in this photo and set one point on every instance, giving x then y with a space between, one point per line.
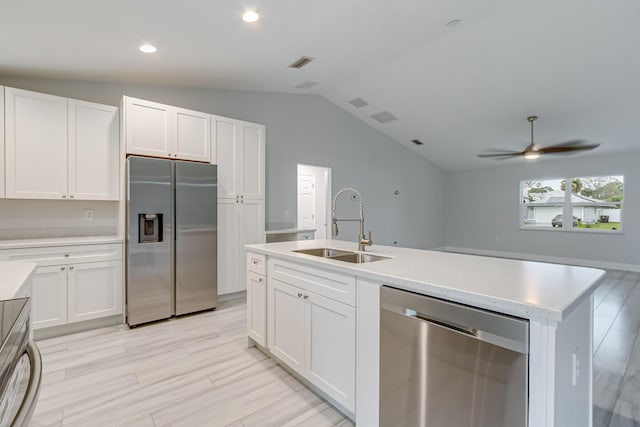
593 203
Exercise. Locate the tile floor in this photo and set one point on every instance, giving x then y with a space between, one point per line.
197 371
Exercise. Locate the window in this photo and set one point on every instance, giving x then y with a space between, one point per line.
593 203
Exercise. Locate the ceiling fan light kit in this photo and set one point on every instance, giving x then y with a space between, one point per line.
533 151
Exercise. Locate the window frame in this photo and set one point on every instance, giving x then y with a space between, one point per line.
567 208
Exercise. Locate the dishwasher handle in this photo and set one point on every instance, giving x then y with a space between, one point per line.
498 329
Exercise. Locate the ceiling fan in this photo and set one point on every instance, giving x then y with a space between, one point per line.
533 151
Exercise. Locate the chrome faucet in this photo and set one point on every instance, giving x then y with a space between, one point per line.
362 241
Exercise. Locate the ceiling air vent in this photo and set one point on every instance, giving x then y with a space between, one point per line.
358 103
384 117
417 141
306 84
301 62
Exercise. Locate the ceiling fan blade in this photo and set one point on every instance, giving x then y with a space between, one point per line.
572 143
562 149
502 156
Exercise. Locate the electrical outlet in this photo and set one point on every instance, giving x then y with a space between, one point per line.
88 214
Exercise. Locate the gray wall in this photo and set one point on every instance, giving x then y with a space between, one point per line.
308 129
483 212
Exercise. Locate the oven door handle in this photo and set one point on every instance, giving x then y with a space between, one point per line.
28 404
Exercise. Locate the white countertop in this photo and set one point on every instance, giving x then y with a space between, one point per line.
59 241
290 230
526 289
13 274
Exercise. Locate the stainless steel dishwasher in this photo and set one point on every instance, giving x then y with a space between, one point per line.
444 364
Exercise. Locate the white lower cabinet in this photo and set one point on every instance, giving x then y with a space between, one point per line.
73 283
91 290
311 333
257 307
49 296
287 309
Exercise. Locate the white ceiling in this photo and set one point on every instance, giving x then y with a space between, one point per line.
460 90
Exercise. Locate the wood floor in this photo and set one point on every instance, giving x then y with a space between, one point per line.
197 371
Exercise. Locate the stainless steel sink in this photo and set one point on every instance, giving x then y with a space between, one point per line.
340 255
359 257
324 252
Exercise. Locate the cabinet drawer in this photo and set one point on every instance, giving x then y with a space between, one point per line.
257 263
64 254
337 286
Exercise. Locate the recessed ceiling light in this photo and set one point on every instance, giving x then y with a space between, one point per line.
453 23
250 16
148 48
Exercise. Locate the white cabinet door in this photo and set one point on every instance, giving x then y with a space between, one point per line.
252 151
257 307
49 296
287 311
1 141
36 145
193 135
94 290
228 247
93 151
224 137
330 347
148 128
251 229
240 155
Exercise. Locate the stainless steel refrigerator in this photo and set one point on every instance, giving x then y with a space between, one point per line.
171 238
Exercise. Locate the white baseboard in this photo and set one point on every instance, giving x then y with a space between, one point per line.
544 258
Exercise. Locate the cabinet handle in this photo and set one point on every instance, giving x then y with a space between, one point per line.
260 280
242 196
299 294
66 255
170 154
254 262
306 297
71 268
64 196
62 268
71 196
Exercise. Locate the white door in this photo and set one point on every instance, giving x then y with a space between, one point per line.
331 347
306 201
36 145
256 307
49 296
192 135
148 128
252 161
1 141
288 317
94 290
94 147
228 247
224 136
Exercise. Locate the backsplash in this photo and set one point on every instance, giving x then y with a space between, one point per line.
35 219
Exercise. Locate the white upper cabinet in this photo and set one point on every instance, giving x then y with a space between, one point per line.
240 154
59 148
159 130
36 145
147 127
1 141
93 151
193 135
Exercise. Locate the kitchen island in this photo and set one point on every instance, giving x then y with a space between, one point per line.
320 317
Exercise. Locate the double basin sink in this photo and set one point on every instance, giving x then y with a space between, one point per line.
340 255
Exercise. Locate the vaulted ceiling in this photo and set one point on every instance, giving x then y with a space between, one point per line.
460 89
